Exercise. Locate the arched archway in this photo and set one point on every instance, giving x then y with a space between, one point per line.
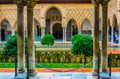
115 29
109 31
71 29
86 27
57 31
2 34
53 16
37 30
5 30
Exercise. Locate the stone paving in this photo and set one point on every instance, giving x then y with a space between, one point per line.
70 75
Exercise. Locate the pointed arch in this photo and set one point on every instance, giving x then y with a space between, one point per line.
48 8
115 28
6 23
114 23
71 29
53 16
5 30
109 30
37 30
114 20
86 27
57 31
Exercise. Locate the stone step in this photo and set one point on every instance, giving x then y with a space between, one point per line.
79 76
69 76
104 75
62 76
24 76
21 76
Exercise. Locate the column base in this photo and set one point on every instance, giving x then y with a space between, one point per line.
95 72
33 72
104 70
21 70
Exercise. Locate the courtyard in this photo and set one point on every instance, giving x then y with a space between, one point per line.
87 32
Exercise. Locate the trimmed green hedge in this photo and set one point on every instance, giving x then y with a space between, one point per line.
48 39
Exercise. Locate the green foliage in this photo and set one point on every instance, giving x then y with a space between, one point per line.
10 47
76 37
48 39
82 45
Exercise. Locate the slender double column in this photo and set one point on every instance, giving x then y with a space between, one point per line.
13 32
104 58
30 34
42 31
96 37
20 31
79 30
64 34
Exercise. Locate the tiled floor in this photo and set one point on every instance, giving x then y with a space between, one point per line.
71 75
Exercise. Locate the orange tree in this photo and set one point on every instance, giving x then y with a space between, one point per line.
82 44
48 39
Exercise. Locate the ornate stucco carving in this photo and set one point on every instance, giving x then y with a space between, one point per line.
68 11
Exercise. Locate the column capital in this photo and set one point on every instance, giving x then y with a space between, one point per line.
20 2
63 27
96 2
43 27
31 3
104 2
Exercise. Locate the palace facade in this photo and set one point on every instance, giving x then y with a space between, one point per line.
62 18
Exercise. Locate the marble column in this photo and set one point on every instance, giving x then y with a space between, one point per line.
104 58
63 34
20 31
79 30
13 32
30 34
36 31
96 37
51 30
112 32
42 31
